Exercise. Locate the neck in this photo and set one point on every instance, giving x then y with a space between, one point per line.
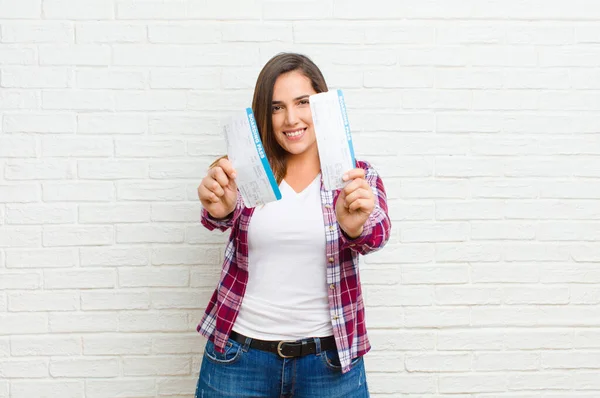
306 163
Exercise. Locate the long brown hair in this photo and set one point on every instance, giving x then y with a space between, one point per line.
263 97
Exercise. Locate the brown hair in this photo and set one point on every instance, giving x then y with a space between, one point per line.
263 96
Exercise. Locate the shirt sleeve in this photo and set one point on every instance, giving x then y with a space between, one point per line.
376 230
222 224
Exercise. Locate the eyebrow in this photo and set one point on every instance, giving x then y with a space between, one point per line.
295 99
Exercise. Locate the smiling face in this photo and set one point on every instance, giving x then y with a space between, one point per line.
291 116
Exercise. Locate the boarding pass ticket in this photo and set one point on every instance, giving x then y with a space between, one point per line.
255 179
334 140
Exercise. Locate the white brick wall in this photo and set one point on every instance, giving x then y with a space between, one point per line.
483 117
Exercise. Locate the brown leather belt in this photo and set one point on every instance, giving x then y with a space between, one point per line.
287 349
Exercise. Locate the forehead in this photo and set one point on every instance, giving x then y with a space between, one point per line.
292 85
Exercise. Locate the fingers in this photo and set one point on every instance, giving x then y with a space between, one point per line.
361 204
206 195
227 167
354 174
218 175
360 193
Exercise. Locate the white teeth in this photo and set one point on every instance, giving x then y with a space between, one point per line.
295 133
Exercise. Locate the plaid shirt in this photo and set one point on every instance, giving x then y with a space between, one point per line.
345 298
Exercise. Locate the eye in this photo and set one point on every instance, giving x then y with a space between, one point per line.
276 108
304 101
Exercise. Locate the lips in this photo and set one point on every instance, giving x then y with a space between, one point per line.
294 134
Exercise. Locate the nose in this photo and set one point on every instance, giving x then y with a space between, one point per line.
291 117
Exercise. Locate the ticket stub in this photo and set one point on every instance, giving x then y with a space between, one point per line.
334 139
255 179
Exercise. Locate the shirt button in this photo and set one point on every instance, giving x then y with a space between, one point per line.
331 259
332 286
336 317
328 206
331 227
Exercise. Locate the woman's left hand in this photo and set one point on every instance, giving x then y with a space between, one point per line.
355 203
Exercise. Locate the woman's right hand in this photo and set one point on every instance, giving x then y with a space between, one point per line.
218 191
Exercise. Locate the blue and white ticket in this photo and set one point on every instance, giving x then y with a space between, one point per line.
334 139
255 179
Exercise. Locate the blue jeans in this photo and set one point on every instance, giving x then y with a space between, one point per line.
243 372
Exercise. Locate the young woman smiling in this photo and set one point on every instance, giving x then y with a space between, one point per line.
287 317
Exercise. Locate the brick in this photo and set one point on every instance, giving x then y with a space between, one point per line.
15 237
41 258
80 367
23 323
46 389
24 368
21 193
110 79
257 32
135 387
536 295
149 148
472 384
43 301
417 253
104 123
185 78
80 279
469 340
78 192
496 361
570 360
114 256
111 169
184 33
435 232
76 9
17 55
179 344
119 300
186 125
153 191
32 77
153 322
151 366
19 99
24 170
118 213
45 346
182 212
437 317
177 299
154 277
109 344
400 78
39 123
149 233
110 32
505 273
468 252
78 54
438 362
83 100
174 170
18 146
467 295
502 231
88 321
26 9
184 255
176 385
19 281
294 10
435 275
36 32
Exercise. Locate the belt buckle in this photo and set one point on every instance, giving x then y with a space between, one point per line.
279 349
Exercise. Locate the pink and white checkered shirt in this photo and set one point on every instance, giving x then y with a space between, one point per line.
345 298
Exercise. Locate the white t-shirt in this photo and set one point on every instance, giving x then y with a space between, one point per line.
286 296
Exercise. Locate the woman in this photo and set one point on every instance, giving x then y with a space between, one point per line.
287 318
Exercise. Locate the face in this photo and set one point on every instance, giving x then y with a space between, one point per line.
291 115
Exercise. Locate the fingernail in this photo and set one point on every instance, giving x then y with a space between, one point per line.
234 175
345 177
